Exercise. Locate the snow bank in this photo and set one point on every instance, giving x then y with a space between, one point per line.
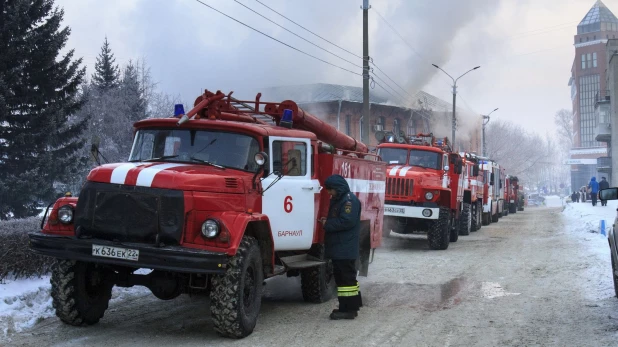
23 303
585 218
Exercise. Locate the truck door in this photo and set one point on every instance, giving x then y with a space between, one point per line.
289 202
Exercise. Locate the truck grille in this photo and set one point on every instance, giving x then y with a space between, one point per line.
399 187
130 213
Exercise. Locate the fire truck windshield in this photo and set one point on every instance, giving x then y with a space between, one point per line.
393 155
224 149
426 159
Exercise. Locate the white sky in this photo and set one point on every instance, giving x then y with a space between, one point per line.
524 69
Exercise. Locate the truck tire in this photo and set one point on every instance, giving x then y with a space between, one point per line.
479 217
486 218
495 217
512 208
439 232
80 291
236 296
318 283
465 222
474 217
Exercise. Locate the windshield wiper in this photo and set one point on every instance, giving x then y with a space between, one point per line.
207 163
161 158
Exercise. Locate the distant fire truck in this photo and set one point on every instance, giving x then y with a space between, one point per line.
214 200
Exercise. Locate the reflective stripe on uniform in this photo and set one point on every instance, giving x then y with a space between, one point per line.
348 291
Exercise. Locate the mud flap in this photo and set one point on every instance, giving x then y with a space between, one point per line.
362 263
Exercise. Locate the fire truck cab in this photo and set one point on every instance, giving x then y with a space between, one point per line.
424 189
211 201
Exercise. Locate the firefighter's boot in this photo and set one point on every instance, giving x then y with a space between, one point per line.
343 315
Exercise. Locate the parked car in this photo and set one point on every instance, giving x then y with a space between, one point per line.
612 238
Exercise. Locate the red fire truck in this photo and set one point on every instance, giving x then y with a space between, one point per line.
473 191
424 188
513 194
493 197
214 200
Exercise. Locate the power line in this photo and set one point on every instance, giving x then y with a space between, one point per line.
370 60
281 42
400 96
400 36
400 87
334 44
295 34
379 85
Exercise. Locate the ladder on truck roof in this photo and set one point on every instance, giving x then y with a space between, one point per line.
244 107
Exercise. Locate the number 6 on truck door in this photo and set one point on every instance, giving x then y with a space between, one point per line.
289 203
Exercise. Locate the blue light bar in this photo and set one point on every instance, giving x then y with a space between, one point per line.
179 110
439 142
286 119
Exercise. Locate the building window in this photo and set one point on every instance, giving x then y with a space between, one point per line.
580 40
595 37
588 88
381 123
348 125
583 61
589 56
594 59
360 131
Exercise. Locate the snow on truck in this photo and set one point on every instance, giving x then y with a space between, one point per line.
424 189
214 201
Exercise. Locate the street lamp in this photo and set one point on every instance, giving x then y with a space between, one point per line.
454 97
485 121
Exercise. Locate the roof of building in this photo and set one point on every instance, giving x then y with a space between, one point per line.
599 14
320 92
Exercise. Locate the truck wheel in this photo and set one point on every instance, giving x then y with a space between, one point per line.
465 222
474 217
80 291
479 217
236 296
438 234
454 235
387 225
495 217
318 283
512 208
486 219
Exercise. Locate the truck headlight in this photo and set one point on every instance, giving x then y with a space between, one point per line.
429 195
210 228
65 214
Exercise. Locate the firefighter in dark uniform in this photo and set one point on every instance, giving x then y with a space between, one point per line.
341 242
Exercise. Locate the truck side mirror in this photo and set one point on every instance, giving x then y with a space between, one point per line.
608 194
475 170
446 167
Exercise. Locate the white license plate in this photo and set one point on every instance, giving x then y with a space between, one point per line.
115 252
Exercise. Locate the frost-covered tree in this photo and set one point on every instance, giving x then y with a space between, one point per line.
39 90
107 73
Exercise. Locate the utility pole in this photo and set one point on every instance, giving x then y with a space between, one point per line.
366 129
485 121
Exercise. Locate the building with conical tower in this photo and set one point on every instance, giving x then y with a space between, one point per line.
588 83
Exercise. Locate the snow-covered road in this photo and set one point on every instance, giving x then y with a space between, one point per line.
538 277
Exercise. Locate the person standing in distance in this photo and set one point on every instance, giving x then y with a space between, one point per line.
594 189
603 185
341 243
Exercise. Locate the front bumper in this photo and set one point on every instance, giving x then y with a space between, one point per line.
168 258
410 211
